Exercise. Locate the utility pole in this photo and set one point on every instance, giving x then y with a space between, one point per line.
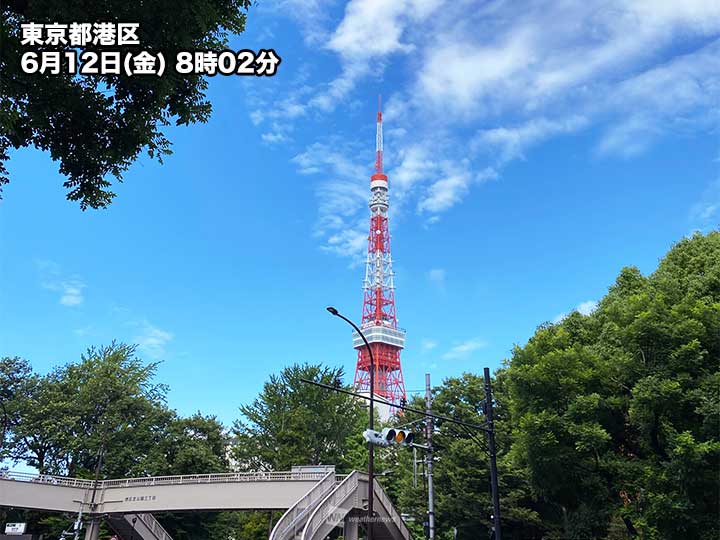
371 447
93 529
429 428
493 462
488 427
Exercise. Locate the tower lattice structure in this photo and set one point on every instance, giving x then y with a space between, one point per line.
379 317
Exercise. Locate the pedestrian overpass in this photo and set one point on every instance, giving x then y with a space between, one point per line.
316 502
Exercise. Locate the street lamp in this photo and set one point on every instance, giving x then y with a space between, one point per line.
371 454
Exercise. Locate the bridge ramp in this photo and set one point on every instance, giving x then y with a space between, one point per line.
292 522
348 497
137 527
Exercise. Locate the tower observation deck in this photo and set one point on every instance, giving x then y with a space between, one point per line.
379 318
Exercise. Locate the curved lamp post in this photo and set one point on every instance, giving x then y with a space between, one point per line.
371 465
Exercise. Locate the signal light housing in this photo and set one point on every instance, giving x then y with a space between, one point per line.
388 436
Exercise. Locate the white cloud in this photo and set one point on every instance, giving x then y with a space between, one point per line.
414 164
328 159
427 344
481 83
347 243
342 197
706 212
510 142
671 97
455 181
152 340
584 308
273 137
83 331
437 276
339 88
431 221
370 28
529 56
310 15
464 349
54 279
460 75
370 32
281 111
256 117
72 293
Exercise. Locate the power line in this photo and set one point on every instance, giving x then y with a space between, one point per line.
397 406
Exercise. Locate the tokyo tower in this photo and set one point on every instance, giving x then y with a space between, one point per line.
379 319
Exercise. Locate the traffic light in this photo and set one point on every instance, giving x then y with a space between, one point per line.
389 436
398 436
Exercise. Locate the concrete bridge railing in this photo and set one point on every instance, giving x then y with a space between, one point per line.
225 491
316 502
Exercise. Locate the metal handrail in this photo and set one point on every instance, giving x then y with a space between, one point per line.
330 504
154 525
289 521
163 480
390 509
341 493
46 479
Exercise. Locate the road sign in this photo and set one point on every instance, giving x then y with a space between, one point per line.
15 528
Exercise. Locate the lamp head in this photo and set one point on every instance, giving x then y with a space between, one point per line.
332 310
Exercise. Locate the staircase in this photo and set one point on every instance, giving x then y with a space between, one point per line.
137 527
290 526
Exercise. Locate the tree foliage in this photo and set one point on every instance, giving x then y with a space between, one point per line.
97 126
105 401
616 413
107 408
294 423
607 424
15 382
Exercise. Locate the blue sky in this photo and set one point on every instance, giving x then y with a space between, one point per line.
533 150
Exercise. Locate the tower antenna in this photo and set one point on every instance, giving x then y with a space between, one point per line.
379 139
379 320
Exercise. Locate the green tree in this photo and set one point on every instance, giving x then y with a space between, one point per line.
105 404
97 126
294 423
462 468
607 424
616 413
16 379
109 401
193 445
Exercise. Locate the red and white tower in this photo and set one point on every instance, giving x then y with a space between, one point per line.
379 319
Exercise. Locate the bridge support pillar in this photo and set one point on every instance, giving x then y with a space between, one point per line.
93 529
350 529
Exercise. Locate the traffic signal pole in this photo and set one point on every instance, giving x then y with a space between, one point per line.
429 428
488 427
493 462
371 447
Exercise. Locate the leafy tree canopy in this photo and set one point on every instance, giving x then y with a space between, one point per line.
107 407
616 413
96 126
294 423
607 424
